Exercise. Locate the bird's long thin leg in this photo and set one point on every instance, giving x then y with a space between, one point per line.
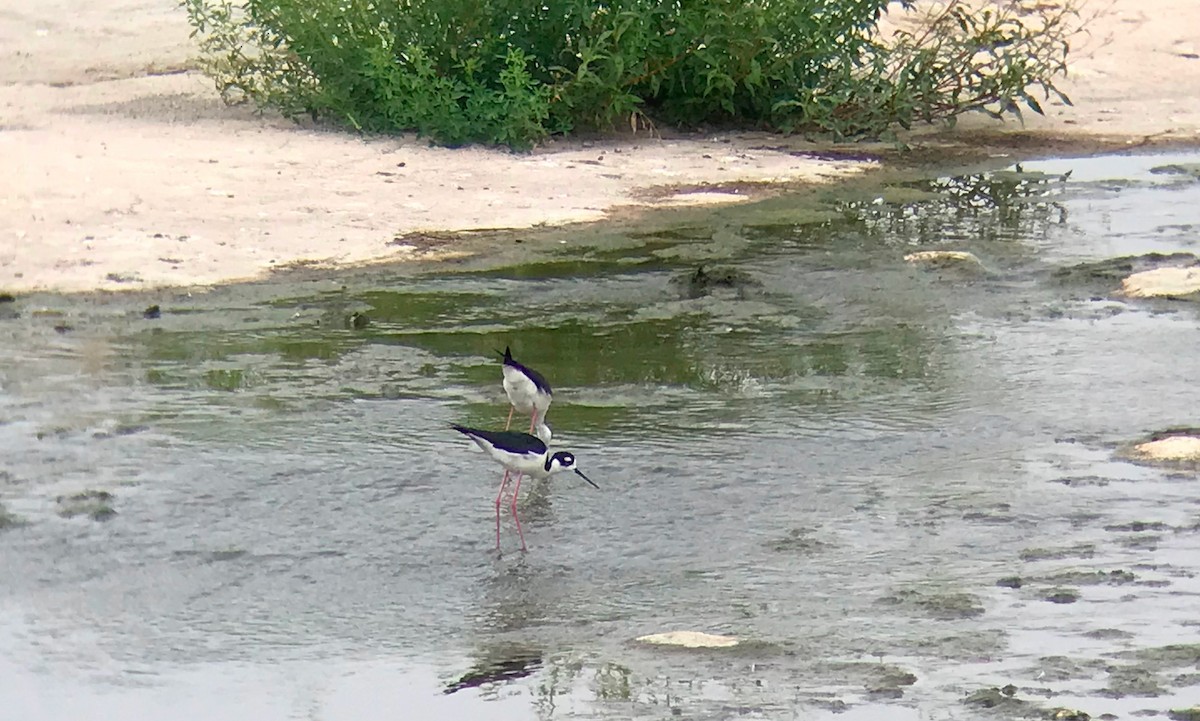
513 507
508 423
533 421
500 495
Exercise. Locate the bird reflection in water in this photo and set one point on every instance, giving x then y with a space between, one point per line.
502 662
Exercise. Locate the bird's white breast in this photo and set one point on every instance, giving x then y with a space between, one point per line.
527 463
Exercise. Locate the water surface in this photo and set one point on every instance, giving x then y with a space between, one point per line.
837 461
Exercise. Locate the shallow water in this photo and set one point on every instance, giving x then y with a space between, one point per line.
838 462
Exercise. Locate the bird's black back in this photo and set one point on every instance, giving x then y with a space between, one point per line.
538 379
512 441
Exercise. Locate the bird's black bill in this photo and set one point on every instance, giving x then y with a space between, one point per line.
587 479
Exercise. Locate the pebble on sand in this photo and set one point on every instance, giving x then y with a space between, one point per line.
1162 283
690 639
1171 448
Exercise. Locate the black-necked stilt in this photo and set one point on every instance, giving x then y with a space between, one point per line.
522 454
528 392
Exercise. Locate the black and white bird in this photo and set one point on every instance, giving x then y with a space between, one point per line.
524 455
528 392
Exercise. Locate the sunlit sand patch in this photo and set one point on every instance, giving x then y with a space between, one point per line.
703 198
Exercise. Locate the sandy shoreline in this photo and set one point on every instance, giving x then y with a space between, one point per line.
130 173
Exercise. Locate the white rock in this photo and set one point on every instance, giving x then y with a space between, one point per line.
1171 448
1162 283
945 259
690 639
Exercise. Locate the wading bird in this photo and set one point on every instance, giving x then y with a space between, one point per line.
524 455
528 392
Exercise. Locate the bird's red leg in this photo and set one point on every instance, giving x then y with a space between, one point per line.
509 421
532 421
500 495
517 491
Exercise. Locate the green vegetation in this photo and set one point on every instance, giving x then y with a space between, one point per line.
511 72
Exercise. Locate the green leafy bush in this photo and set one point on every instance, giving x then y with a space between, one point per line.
510 72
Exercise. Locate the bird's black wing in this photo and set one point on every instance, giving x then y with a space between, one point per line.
538 379
513 441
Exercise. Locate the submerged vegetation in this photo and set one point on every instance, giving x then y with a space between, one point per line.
511 72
